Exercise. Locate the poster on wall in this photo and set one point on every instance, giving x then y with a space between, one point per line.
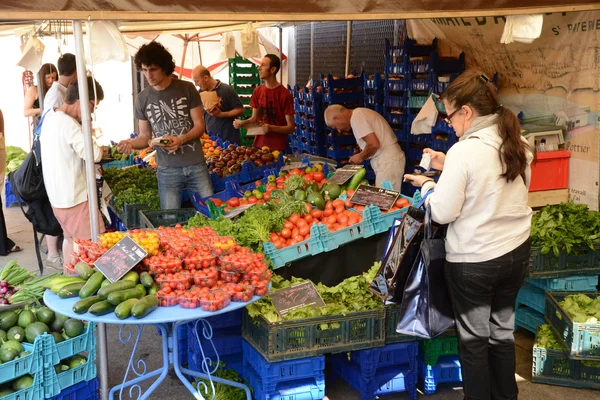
556 79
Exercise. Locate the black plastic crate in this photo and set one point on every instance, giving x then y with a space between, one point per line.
154 219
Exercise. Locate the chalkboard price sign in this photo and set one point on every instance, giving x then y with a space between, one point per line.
382 198
297 296
343 174
120 259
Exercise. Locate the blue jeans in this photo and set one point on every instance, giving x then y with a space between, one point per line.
172 181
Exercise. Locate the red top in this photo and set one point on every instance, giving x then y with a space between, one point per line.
273 105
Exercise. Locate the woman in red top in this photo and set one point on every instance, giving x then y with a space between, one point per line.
272 107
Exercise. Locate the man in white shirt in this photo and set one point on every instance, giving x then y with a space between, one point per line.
64 165
67 70
376 139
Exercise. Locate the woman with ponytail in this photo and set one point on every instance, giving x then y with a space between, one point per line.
482 195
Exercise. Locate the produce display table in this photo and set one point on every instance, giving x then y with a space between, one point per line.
167 320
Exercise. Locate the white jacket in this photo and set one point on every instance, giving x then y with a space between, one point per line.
487 217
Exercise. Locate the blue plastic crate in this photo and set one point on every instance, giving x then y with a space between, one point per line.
528 318
387 380
310 247
227 320
414 150
421 82
119 164
234 362
448 65
226 341
446 371
337 154
399 67
232 189
303 389
335 139
54 383
580 341
393 101
86 342
569 284
29 364
395 118
10 199
416 101
33 392
399 84
272 374
371 360
86 390
532 297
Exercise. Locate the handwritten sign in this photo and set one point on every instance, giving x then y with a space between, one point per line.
297 296
382 198
237 211
343 174
120 259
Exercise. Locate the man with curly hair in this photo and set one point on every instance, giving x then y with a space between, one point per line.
170 109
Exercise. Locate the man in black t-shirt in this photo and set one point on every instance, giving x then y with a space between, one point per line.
219 120
170 109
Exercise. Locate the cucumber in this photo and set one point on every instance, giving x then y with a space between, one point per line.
145 306
105 282
83 305
153 289
101 308
67 281
113 287
132 276
71 290
119 296
146 280
84 271
92 285
123 310
142 288
357 178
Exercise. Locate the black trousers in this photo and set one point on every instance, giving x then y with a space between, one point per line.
483 297
6 244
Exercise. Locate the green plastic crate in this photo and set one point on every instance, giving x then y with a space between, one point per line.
154 219
437 347
244 89
130 214
306 338
543 266
244 80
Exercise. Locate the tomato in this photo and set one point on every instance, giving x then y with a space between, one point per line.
289 225
329 205
280 186
339 210
286 233
338 203
266 196
301 223
295 232
252 200
318 176
217 202
279 181
296 171
327 213
316 214
308 218
308 208
258 183
332 219
233 202
298 238
294 218
305 230
350 192
342 219
402 203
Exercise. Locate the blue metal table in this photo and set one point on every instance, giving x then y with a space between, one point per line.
167 320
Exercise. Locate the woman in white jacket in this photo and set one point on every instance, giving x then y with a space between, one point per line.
482 196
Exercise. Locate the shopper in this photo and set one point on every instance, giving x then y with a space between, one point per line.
64 165
219 120
170 109
482 196
67 73
376 139
6 245
272 107
31 107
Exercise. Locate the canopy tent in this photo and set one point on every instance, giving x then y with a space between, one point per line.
279 10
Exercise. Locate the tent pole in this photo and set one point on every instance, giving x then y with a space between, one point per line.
281 53
185 46
86 124
348 41
312 50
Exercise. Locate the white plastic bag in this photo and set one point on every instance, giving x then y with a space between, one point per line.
249 39
33 52
104 42
227 45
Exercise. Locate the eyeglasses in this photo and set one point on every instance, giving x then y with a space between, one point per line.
448 118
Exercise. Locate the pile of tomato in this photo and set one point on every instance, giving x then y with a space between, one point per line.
87 251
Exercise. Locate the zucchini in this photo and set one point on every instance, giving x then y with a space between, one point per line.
142 288
101 308
153 289
105 282
92 285
84 271
64 282
83 305
357 178
131 276
123 310
113 287
119 296
146 280
71 290
145 306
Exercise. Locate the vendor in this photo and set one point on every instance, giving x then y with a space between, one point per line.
272 107
376 139
482 196
170 109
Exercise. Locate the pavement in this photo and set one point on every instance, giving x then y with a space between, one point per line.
150 350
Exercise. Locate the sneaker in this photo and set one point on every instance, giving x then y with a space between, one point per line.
56 263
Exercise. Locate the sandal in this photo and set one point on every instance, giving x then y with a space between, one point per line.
16 248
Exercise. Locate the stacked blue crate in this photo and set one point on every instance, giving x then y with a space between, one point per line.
447 370
373 92
302 378
378 371
309 135
412 73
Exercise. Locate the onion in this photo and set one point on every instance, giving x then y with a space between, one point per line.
3 301
3 290
3 284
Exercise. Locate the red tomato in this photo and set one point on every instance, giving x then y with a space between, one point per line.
233 202
252 200
286 233
318 176
316 214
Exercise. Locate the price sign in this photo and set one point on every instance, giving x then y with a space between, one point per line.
292 166
382 198
297 296
343 174
237 211
120 259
